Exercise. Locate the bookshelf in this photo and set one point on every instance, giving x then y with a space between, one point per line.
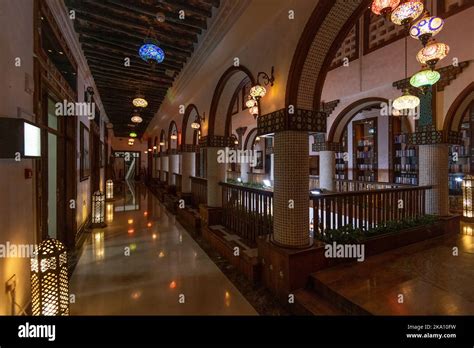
459 159
405 162
365 149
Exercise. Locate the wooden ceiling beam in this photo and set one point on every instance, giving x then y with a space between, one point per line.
182 5
130 74
120 67
171 16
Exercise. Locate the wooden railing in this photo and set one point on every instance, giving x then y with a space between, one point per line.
367 209
255 178
354 185
178 178
247 211
199 190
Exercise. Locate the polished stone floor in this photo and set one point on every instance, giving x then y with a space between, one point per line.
434 277
145 263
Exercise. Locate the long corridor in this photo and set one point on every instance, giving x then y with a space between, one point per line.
145 263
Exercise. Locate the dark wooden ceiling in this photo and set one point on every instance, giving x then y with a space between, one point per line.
111 30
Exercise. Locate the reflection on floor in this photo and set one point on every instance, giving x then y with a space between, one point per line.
433 277
145 263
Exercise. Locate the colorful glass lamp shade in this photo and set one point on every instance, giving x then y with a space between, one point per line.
151 52
136 118
432 53
133 135
384 7
140 101
251 102
426 28
425 79
257 92
406 101
407 12
254 111
174 136
195 124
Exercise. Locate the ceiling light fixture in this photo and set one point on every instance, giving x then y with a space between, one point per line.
426 28
425 79
140 101
432 53
407 12
384 7
150 50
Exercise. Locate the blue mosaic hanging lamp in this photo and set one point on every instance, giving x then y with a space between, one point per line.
150 50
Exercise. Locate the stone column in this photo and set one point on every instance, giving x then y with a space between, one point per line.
244 171
158 166
216 172
188 169
164 166
327 170
433 171
173 168
291 189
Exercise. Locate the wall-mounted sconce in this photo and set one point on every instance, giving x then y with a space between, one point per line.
198 120
258 91
174 136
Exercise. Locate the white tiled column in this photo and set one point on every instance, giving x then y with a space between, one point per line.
164 166
216 172
327 170
433 170
173 168
188 169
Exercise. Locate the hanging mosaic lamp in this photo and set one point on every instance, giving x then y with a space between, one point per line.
250 102
426 28
254 111
133 135
432 53
150 51
384 7
140 101
425 79
406 101
195 124
136 118
407 12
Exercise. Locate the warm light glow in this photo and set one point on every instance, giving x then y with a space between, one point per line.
150 150
155 147
161 254
173 285
131 231
174 136
145 213
425 78
383 7
154 236
49 279
426 27
133 135
140 102
109 189
467 188
149 224
110 212
250 103
145 152
432 53
98 245
130 221
195 125
254 111
136 295
406 101
258 92
407 12
162 143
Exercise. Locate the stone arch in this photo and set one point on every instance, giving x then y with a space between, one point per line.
250 139
329 24
458 108
173 144
187 133
348 113
231 74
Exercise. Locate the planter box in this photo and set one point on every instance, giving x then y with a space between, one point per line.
284 270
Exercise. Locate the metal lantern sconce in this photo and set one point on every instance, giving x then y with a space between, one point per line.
198 120
98 209
467 188
109 190
49 279
258 91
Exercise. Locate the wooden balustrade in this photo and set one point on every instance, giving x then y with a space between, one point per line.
247 211
367 209
178 178
354 185
199 190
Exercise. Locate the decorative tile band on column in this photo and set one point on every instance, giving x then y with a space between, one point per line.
172 152
428 135
291 195
292 118
216 141
327 146
189 148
